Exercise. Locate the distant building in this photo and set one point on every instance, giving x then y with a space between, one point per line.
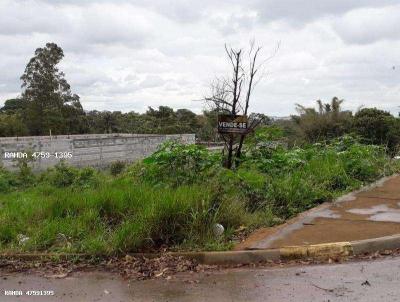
280 118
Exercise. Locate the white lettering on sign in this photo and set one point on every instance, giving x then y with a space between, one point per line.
232 125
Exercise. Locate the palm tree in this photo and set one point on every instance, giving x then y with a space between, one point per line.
327 121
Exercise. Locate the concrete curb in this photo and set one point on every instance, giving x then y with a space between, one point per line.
317 251
232 257
376 244
309 215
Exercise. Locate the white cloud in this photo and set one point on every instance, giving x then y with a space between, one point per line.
368 25
130 54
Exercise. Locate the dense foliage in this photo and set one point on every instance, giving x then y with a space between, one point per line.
374 126
174 197
163 120
176 164
47 104
326 122
378 127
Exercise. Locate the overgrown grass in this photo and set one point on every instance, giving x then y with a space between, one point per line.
174 198
120 216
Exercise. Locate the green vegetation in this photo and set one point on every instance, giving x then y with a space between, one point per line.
173 198
378 127
372 125
47 104
117 167
328 121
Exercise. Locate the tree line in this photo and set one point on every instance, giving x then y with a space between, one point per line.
47 106
17 120
328 121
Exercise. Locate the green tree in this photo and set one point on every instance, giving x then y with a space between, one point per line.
132 122
186 121
327 122
163 119
105 121
14 105
50 105
208 126
377 127
12 125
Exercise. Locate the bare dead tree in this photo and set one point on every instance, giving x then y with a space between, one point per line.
253 69
232 95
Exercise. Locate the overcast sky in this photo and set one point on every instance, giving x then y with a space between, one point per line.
129 54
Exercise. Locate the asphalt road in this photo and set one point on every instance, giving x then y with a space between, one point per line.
375 280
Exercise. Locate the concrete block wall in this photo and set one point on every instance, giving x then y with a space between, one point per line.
98 150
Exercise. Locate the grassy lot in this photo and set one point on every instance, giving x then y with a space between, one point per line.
173 198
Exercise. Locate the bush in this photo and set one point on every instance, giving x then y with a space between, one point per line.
289 195
299 178
327 122
7 180
176 164
25 176
117 167
86 178
63 175
179 193
378 127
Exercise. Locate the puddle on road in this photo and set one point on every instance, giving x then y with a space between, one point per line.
371 211
328 213
379 213
388 216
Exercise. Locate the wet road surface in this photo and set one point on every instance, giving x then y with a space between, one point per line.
371 213
376 280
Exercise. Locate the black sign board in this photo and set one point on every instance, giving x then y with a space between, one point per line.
232 124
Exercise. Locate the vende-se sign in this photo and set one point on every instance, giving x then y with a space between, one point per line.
232 124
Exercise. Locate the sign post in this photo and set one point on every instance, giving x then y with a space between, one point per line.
231 124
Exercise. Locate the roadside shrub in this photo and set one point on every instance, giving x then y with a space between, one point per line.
63 175
117 167
297 179
253 186
173 198
326 122
378 127
177 164
86 178
4 183
292 194
25 176
7 180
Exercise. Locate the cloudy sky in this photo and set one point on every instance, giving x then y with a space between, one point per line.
129 54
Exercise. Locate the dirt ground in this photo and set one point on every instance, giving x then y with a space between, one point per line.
368 278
